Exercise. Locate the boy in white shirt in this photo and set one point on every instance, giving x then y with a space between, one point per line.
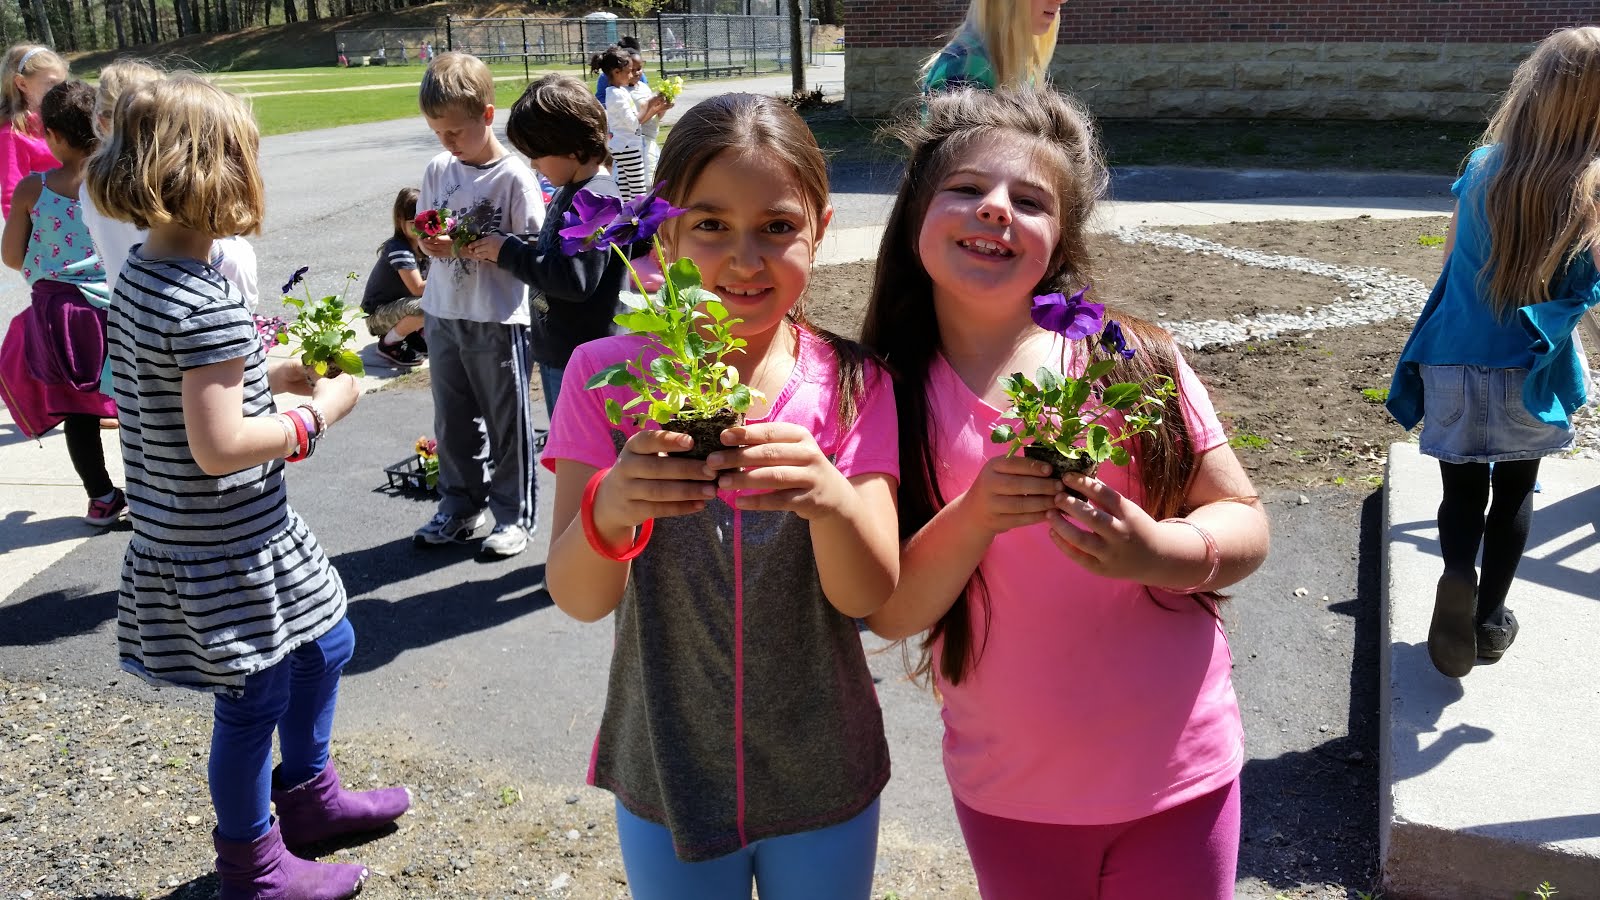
476 317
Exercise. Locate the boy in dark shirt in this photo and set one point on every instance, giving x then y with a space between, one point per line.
561 128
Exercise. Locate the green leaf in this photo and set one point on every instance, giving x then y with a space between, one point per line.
661 412
1098 370
1048 379
663 370
1121 396
695 344
1073 398
642 321
1119 456
613 411
739 398
1098 443
349 361
716 310
1013 384
684 274
1002 434
615 376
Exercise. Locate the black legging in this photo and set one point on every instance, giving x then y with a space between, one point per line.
1503 533
88 454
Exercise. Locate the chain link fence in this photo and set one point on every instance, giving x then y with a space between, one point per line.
387 46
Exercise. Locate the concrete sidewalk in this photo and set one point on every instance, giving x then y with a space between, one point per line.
1487 783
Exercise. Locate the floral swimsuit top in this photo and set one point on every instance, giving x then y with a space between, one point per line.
60 249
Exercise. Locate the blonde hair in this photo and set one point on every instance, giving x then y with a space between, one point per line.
1543 205
25 60
181 151
117 78
1002 26
456 81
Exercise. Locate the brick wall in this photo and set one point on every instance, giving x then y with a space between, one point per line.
1183 58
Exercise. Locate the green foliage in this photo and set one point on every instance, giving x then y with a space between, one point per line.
1379 396
1430 240
1064 413
1245 440
693 333
321 334
509 796
1543 892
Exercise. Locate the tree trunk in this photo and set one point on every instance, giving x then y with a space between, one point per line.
91 34
155 22
41 24
312 14
797 60
180 15
290 14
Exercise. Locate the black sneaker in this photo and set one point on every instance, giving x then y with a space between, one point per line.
417 342
399 354
1495 640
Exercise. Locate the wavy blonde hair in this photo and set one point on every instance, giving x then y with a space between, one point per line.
1017 55
1543 205
181 151
24 60
114 80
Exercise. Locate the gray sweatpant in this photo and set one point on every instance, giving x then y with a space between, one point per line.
481 409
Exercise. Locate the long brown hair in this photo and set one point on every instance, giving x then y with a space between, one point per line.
1543 205
901 326
767 128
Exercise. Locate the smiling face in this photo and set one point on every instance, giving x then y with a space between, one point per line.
992 226
749 230
469 138
1044 14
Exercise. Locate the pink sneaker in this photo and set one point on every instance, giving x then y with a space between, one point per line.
105 512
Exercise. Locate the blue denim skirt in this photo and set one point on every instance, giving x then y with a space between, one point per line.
1476 414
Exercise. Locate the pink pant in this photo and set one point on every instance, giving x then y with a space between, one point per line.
1189 852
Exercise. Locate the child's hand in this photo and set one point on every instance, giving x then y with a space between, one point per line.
784 460
486 248
441 247
335 397
643 484
1012 492
1106 533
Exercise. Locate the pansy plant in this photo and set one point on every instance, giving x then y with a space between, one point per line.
1057 418
680 377
320 333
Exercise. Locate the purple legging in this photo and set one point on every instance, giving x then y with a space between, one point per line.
1189 851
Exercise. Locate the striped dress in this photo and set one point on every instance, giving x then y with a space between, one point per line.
221 578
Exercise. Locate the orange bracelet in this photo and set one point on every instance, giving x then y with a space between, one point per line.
592 532
1213 557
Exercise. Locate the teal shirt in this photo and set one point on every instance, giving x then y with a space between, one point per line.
964 62
1457 327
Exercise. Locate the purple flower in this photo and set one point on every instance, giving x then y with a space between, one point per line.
640 218
1071 317
1112 341
589 216
298 276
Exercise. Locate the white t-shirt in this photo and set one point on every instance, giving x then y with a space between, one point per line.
113 238
502 196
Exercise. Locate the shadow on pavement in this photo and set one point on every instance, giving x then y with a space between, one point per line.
51 616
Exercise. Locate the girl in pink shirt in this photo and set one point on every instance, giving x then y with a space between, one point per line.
1092 738
27 73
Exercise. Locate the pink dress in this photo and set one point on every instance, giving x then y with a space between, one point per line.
20 156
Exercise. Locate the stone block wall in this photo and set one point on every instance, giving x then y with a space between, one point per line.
1402 59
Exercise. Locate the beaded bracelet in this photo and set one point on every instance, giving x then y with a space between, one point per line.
592 531
1213 557
316 417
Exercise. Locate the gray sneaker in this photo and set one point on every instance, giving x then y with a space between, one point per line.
505 540
444 528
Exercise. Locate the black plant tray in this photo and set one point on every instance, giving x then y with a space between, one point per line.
407 475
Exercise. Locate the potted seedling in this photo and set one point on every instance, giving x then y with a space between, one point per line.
1057 418
320 334
462 227
680 380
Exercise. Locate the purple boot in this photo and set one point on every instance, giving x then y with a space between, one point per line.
263 869
321 809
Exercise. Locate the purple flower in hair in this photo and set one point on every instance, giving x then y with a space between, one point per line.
1074 318
1112 340
589 216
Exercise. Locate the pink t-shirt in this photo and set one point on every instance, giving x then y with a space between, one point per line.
20 156
581 432
1091 703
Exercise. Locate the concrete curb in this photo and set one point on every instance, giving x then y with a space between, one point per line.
1482 791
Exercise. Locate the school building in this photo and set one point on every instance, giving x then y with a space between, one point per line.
1377 59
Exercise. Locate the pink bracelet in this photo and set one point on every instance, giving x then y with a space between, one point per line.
1213 557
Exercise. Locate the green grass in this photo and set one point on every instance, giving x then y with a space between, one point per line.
303 112
1375 395
1244 440
1430 240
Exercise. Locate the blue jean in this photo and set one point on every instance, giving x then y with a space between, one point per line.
295 698
550 383
834 862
